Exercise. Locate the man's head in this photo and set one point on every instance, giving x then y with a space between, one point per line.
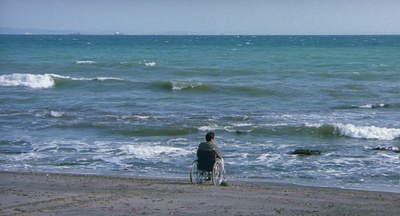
210 136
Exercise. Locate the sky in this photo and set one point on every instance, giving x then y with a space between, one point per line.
244 17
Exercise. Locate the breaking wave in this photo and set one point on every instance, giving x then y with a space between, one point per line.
42 81
368 132
181 85
153 152
174 85
37 81
324 130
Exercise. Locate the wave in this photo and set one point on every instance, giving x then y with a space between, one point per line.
197 86
181 85
368 132
85 79
150 64
174 85
43 81
148 131
107 78
151 152
38 81
85 62
371 106
307 129
368 106
15 146
383 148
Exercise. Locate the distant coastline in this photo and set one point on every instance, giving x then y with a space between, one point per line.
32 31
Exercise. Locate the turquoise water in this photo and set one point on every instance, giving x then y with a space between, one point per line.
139 106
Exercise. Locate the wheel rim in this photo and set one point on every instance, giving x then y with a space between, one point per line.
216 174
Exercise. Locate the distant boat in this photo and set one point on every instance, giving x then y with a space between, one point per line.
118 33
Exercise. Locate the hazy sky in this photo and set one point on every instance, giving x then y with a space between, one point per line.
205 16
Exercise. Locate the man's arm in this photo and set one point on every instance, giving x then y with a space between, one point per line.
218 151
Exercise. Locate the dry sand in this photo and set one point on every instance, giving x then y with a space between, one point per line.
65 194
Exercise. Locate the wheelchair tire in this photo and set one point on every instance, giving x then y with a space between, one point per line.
217 174
194 173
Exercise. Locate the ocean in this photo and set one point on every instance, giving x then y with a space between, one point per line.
140 105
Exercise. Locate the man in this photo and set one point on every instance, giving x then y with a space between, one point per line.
210 145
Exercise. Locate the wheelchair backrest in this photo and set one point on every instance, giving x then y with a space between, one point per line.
206 160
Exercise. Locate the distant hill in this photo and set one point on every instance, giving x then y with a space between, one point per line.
29 31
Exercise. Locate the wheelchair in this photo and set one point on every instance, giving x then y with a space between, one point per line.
207 167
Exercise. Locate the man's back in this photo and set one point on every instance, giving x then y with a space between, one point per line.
209 146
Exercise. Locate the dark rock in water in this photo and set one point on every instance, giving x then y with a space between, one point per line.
380 148
390 148
306 152
242 132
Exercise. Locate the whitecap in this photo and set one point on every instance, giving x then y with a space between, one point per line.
370 106
313 125
27 80
210 128
85 62
107 78
242 124
367 106
180 85
56 114
150 64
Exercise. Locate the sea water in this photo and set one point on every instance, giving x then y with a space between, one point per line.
140 105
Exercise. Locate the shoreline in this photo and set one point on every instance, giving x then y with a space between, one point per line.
79 194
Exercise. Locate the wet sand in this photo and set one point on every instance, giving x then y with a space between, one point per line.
67 194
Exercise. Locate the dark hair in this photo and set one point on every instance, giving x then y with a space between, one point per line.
210 136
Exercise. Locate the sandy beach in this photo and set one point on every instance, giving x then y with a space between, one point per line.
66 194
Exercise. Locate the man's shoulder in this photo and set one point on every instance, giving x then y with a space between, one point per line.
206 146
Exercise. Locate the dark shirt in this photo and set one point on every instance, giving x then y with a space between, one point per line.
209 146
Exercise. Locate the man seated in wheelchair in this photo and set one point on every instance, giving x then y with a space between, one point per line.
208 154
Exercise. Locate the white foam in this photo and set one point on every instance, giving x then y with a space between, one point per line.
56 114
366 106
313 125
180 85
370 106
83 78
107 78
85 62
368 132
135 116
151 152
59 76
27 80
210 128
388 148
150 64
242 124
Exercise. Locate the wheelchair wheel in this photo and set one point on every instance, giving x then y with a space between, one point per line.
194 173
217 173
